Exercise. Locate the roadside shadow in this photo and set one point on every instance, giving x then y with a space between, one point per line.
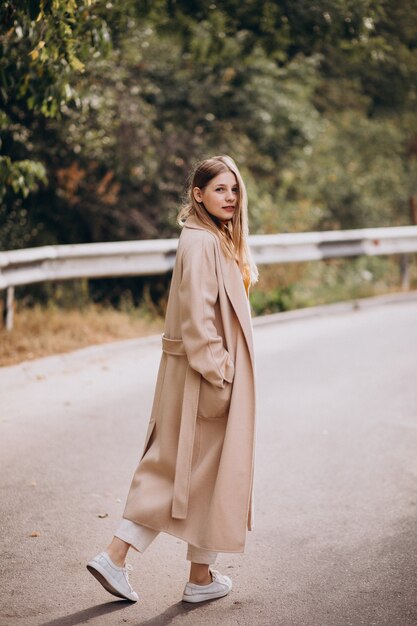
165 618
80 617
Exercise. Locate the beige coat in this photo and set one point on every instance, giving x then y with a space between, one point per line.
194 479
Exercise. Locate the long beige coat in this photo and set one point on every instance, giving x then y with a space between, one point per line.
194 479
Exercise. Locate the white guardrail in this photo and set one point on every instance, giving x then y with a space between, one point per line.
124 258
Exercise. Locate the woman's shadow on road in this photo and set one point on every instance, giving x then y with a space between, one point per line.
165 618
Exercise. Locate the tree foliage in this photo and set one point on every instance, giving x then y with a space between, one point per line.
43 45
106 106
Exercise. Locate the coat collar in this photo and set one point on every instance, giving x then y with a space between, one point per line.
233 283
192 221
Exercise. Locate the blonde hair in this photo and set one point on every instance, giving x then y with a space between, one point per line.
233 234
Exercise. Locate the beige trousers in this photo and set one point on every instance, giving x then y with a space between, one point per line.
140 537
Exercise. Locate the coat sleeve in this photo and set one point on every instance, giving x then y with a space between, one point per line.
198 294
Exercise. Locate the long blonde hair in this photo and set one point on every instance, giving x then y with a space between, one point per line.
233 234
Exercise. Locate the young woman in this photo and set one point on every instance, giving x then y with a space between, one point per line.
194 478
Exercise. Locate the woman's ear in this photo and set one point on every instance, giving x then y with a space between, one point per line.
197 194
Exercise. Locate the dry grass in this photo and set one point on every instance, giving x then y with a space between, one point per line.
42 331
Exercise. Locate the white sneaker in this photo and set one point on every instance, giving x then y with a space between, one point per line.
219 587
113 578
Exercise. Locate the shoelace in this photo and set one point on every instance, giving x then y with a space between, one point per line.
128 568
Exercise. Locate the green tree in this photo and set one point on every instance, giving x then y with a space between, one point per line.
112 103
42 45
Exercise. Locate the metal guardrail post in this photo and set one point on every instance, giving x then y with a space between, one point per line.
405 259
8 310
405 272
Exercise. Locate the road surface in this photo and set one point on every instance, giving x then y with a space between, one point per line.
335 539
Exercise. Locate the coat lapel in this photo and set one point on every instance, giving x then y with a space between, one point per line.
233 284
234 287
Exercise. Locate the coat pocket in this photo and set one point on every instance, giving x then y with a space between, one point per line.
214 402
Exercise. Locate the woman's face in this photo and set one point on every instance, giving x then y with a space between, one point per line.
219 196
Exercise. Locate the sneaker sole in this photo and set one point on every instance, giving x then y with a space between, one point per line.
100 576
203 597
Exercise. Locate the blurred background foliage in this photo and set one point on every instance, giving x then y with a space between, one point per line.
105 107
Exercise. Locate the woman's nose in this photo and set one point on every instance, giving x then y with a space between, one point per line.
230 195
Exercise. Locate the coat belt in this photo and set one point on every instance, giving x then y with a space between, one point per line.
173 346
187 431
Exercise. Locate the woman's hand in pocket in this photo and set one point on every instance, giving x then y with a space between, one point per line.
214 402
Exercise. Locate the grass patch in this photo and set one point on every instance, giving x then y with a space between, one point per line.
298 285
42 331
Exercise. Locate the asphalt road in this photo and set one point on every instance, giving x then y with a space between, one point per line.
335 539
